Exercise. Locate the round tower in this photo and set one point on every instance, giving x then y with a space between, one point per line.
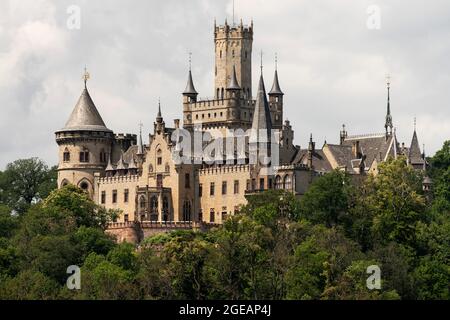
84 145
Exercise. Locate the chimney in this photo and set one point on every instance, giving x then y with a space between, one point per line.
356 150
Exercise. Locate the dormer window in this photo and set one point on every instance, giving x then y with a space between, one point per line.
103 156
84 155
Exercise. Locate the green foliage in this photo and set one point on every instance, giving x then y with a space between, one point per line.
327 199
278 247
26 181
74 202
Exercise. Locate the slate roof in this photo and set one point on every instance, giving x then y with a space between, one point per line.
85 116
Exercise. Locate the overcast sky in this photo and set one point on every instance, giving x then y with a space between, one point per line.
332 67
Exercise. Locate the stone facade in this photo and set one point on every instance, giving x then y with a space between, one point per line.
156 193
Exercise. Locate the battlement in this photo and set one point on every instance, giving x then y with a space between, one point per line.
233 30
125 136
118 179
206 104
224 169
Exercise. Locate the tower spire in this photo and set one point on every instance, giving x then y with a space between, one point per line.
140 145
159 116
388 124
276 90
190 89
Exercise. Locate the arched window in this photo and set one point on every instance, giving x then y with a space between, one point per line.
66 155
154 204
187 210
218 93
278 183
64 183
142 203
287 182
103 156
84 155
222 94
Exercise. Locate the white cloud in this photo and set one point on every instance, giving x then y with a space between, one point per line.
331 66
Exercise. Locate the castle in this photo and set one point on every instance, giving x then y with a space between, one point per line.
155 191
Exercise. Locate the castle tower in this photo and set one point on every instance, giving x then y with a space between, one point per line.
233 48
84 144
276 101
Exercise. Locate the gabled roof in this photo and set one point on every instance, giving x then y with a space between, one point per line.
374 146
319 160
85 116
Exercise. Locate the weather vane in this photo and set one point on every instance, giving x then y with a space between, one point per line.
86 76
388 80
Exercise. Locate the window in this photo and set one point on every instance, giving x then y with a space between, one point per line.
278 183
248 185
287 182
261 184
125 217
154 204
114 196
253 184
236 186
220 54
142 203
159 161
232 53
212 215
187 181
66 155
126 194
224 187
200 190
270 183
103 156
159 181
245 54
211 189
103 197
84 185
84 155
224 215
187 211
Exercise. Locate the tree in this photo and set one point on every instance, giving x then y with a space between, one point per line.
327 199
74 202
395 198
26 181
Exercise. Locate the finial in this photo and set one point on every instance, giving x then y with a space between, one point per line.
415 123
310 137
388 81
261 61
140 127
343 127
190 60
233 12
276 61
86 76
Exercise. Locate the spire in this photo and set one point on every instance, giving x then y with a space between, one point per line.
109 167
276 86
159 118
86 76
414 155
311 145
85 116
343 135
140 150
233 85
132 164
261 117
190 89
121 164
388 124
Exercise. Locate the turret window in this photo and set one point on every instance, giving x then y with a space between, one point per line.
84 155
66 155
103 156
